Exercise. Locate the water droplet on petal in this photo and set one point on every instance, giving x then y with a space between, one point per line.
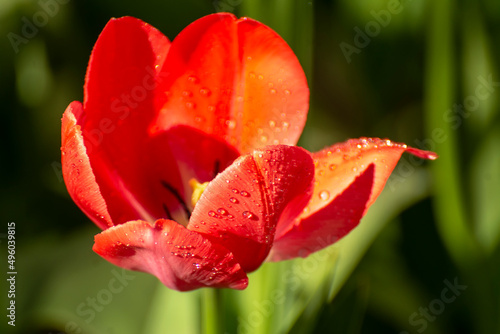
247 214
332 167
212 213
233 200
324 195
244 193
205 92
231 124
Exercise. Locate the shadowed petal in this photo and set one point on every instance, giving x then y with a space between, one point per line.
118 107
181 259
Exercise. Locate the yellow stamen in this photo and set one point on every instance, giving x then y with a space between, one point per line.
198 189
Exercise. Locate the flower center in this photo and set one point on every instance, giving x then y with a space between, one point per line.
198 189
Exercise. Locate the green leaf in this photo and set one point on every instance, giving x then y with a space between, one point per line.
485 186
77 291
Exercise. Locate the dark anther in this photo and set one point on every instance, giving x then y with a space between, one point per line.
169 216
177 196
216 167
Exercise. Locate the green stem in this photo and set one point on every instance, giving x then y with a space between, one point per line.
211 312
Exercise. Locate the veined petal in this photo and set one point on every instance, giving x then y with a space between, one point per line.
362 164
77 172
241 207
181 259
257 96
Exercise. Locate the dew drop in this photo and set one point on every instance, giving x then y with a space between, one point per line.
231 124
205 92
263 139
324 195
197 265
247 214
272 91
222 211
193 79
235 191
233 200
261 77
332 167
212 213
244 193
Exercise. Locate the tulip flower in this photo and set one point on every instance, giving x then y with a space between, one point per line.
182 153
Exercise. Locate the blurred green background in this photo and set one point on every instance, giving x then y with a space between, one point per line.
426 258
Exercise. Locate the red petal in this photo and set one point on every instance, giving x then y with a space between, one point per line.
257 95
171 159
241 207
77 172
326 226
181 259
338 169
338 166
119 92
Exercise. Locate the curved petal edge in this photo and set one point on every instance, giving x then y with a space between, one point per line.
77 171
181 259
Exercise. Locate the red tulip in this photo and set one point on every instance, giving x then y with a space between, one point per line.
168 154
